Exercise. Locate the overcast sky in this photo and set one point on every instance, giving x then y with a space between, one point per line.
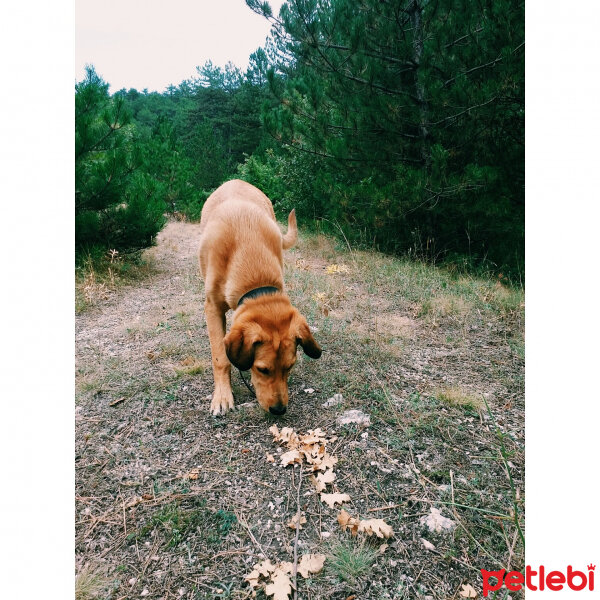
153 43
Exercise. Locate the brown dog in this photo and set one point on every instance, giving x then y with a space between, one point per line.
241 260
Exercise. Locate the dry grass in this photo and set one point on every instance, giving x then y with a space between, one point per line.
100 275
89 584
459 398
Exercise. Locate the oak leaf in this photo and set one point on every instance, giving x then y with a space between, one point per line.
280 587
468 591
288 458
326 477
332 499
375 526
310 563
294 521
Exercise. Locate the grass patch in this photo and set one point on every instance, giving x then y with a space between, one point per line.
176 523
459 398
89 584
351 562
191 366
99 273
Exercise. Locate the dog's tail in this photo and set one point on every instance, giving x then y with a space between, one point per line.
290 238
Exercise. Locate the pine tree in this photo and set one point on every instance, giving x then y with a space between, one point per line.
116 203
415 111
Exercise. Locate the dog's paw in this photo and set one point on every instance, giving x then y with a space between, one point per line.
222 402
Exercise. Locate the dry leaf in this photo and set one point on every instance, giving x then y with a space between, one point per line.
348 522
294 521
253 578
193 474
117 401
293 456
319 485
270 458
468 591
310 563
265 568
328 462
332 499
327 477
331 269
281 586
376 526
383 548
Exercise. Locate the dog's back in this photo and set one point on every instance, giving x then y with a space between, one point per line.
241 244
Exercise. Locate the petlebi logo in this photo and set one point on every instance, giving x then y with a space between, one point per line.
538 580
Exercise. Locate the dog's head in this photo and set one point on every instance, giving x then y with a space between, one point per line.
264 338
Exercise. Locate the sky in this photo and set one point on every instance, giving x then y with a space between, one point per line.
154 43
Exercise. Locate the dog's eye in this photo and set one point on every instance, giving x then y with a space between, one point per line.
263 370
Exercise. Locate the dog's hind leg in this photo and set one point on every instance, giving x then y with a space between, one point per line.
222 399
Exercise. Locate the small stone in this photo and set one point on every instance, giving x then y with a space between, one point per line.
335 400
355 416
436 522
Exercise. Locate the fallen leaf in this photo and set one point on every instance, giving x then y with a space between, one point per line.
348 522
331 269
252 578
327 462
310 563
117 401
468 591
319 485
280 587
327 477
265 567
332 499
294 521
383 548
376 526
293 456
309 391
193 474
270 458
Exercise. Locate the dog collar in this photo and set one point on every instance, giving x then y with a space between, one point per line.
261 291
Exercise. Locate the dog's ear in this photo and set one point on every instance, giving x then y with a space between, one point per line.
305 338
240 344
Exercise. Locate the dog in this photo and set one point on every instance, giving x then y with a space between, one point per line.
241 261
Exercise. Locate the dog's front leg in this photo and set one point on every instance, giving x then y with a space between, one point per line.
222 399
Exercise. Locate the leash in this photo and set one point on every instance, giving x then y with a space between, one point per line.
247 384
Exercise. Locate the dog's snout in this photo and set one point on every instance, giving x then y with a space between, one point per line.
279 409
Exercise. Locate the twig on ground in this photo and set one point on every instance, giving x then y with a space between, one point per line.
298 513
247 527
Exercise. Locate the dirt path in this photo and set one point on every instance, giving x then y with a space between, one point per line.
172 503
